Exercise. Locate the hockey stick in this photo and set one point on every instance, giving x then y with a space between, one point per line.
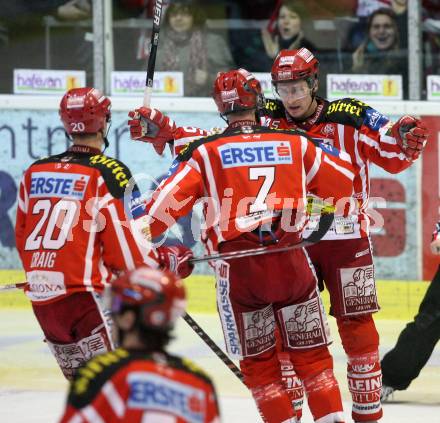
157 14
213 346
324 224
12 286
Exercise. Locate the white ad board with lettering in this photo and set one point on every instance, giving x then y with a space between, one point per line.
433 87
129 84
47 82
364 87
29 134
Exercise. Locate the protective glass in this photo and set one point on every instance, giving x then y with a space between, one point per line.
292 91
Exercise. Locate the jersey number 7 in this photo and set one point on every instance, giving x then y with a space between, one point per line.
255 173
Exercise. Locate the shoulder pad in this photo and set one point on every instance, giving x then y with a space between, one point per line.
115 173
187 151
348 111
272 108
94 374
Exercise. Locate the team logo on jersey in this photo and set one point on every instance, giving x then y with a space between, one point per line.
359 290
375 120
58 185
259 330
304 324
328 130
255 153
136 205
150 391
324 145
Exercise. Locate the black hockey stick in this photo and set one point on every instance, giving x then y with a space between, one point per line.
213 346
157 14
324 225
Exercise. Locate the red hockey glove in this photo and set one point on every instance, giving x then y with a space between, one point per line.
176 259
151 125
411 135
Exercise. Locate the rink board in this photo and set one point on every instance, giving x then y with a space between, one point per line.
398 299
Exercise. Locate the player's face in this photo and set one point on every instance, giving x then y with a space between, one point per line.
289 23
382 32
181 21
296 97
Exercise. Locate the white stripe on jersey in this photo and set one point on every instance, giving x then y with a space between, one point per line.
77 418
341 169
128 258
92 415
362 166
341 134
164 192
316 163
212 188
88 260
114 399
388 154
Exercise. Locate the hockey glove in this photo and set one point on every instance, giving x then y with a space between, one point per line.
411 135
151 125
435 244
177 259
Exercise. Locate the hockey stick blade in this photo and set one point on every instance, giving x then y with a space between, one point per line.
324 225
213 346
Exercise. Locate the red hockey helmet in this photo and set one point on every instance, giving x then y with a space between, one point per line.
158 295
237 90
292 65
84 111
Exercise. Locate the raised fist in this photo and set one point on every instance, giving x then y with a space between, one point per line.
176 259
151 125
411 135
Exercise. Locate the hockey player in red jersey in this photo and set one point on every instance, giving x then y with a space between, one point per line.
249 177
367 137
141 382
73 236
343 259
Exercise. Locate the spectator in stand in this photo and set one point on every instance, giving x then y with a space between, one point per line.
188 47
284 31
256 52
380 52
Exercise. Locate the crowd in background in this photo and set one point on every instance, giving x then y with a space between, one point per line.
347 36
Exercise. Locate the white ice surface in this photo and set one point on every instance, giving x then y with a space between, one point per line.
32 390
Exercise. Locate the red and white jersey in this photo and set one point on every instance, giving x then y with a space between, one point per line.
72 233
246 176
187 134
354 128
122 386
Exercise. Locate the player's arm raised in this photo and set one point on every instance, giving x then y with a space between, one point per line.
392 146
154 127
